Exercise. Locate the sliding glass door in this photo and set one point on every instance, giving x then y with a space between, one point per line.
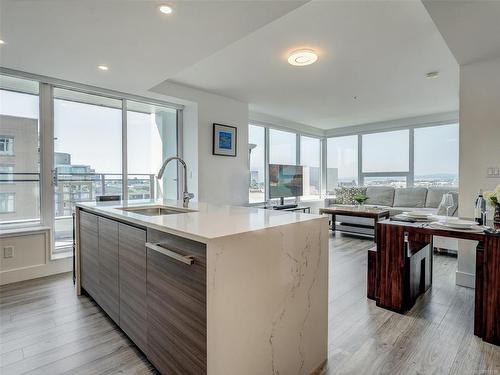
87 155
92 133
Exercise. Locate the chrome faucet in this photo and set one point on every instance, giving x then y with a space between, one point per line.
185 195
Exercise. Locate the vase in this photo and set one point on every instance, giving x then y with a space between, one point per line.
496 216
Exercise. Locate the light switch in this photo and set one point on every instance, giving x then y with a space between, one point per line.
493 172
8 252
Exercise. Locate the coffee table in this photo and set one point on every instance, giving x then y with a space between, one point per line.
365 227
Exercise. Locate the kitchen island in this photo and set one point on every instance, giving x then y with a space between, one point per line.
209 289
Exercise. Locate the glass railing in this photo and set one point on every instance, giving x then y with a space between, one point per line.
72 188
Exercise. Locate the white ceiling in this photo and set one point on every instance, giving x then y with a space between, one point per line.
67 39
378 51
471 28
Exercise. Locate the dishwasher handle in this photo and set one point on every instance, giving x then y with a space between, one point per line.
186 259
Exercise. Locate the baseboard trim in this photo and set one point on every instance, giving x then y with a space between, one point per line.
465 279
34 272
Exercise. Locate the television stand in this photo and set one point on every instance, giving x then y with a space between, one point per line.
285 206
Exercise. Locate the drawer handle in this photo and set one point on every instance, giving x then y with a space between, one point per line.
186 259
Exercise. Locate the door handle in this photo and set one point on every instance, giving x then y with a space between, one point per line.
55 177
186 259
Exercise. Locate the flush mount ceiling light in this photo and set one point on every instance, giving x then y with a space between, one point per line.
302 57
1 41
432 75
102 67
165 9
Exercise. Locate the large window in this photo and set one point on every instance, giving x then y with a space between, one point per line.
342 162
19 151
386 158
310 159
152 138
256 149
282 147
436 156
90 130
87 159
273 146
386 152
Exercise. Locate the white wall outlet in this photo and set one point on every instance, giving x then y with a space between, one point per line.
8 252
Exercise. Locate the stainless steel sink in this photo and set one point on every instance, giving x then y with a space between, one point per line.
155 210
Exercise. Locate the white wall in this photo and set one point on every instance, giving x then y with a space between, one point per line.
479 129
220 179
31 256
479 146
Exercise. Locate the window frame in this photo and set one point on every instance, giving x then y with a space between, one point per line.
46 86
298 135
410 174
9 140
10 197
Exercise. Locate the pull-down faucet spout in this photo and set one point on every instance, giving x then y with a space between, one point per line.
186 196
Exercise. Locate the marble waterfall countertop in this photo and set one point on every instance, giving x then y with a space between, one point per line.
203 222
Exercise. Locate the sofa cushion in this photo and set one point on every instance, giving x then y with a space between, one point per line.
345 195
435 194
441 210
410 197
380 195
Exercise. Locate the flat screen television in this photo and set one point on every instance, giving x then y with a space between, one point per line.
285 181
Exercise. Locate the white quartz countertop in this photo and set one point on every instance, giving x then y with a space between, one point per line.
205 221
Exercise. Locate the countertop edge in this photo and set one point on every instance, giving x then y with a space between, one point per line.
162 228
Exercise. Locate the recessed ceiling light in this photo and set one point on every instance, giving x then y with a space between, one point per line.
103 67
432 75
302 57
165 9
1 41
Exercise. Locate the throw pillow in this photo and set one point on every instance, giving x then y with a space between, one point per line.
345 195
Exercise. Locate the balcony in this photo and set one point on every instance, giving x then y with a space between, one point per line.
20 199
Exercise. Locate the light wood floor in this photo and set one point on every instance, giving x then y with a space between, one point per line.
46 329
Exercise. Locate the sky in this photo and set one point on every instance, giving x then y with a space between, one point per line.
93 135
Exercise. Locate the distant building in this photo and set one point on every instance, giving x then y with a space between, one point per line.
19 199
76 183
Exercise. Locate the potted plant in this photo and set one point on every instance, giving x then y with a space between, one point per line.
493 198
360 199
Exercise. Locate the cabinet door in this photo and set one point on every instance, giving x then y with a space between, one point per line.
108 268
89 254
176 299
133 313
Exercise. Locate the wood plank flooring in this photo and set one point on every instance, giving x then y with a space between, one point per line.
46 329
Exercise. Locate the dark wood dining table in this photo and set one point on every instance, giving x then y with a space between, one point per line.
403 270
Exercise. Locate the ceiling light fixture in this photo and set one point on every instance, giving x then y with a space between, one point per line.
165 9
1 41
432 75
103 67
302 57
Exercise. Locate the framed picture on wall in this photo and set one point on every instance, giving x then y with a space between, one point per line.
224 140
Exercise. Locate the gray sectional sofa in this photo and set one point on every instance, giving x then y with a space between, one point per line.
399 200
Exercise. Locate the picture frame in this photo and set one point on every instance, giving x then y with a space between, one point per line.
224 140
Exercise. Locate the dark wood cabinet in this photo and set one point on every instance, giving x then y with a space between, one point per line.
176 302
89 253
132 270
109 290
153 285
